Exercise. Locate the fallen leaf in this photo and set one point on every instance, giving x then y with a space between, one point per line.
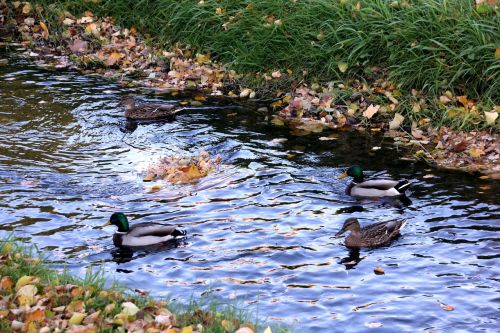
396 122
245 92
35 315
129 309
379 270
444 99
27 8
68 21
113 58
342 66
276 74
490 117
6 283
92 318
26 295
45 33
24 280
187 329
77 318
475 152
79 46
371 110
75 306
277 122
460 147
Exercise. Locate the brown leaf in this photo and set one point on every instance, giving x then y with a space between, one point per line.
379 270
6 283
447 307
113 58
460 147
35 315
371 110
79 46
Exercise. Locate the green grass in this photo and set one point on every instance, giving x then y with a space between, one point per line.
99 292
432 45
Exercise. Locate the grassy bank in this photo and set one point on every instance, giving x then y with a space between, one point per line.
37 298
433 46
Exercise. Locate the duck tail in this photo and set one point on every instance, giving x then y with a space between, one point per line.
402 186
179 233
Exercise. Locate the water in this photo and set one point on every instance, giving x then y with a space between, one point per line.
260 228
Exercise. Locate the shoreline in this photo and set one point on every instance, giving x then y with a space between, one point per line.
96 45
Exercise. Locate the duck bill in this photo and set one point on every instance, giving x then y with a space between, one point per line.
343 175
106 224
340 233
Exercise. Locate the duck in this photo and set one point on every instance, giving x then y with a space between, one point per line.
141 234
372 188
148 112
373 235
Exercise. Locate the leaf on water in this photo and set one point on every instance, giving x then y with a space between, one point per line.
379 270
371 110
447 307
490 117
396 122
343 66
148 178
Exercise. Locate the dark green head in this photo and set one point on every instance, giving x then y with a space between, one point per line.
355 172
120 220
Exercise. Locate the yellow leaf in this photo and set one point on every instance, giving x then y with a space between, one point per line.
276 104
45 33
342 66
24 281
187 329
129 309
113 58
226 325
497 52
35 315
219 11
76 306
396 122
475 152
194 172
277 122
27 8
26 295
371 110
463 100
491 117
77 318
201 59
200 98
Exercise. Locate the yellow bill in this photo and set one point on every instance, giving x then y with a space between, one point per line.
343 175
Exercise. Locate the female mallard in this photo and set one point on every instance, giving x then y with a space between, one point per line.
372 235
148 111
375 188
141 234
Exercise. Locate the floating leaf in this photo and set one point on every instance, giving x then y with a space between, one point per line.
447 307
379 270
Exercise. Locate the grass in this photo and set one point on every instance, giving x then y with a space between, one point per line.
430 45
18 261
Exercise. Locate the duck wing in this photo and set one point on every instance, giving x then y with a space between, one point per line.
379 184
154 229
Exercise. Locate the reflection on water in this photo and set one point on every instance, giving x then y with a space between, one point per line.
261 228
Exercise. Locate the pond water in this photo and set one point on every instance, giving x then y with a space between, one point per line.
261 228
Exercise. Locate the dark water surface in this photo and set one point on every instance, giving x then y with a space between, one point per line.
260 228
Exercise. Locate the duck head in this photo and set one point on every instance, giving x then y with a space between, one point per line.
119 220
351 224
128 102
355 172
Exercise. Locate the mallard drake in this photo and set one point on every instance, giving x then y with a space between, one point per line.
141 234
374 188
372 235
148 111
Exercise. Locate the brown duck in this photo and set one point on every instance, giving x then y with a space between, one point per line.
373 235
148 111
